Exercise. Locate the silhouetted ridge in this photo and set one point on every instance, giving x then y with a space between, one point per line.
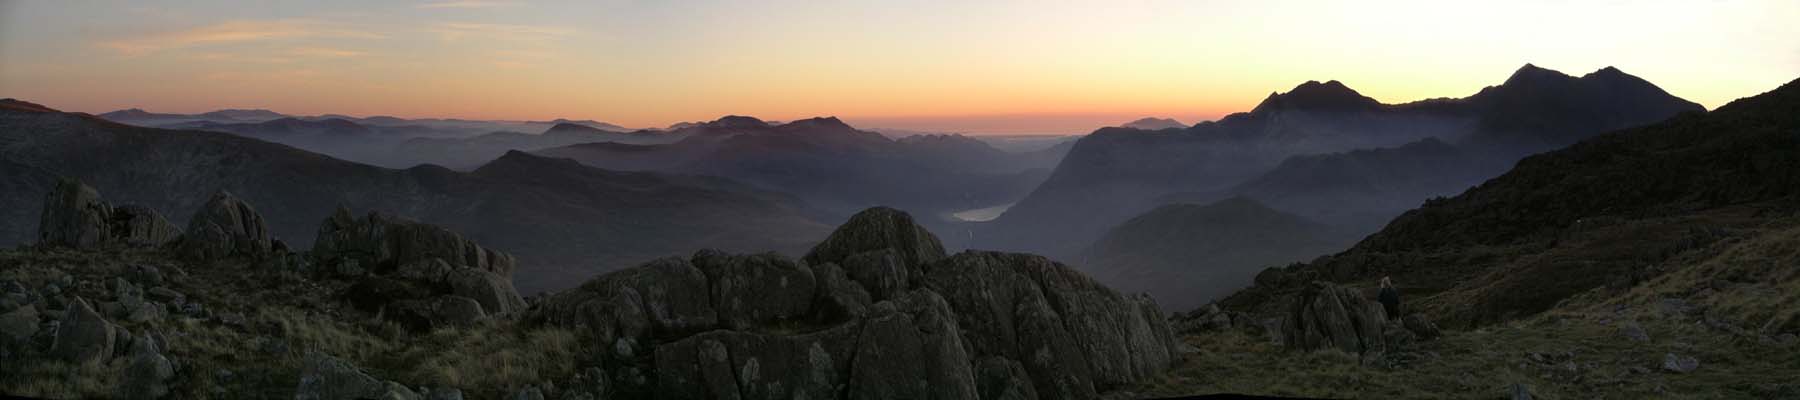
738 121
19 105
1315 96
823 123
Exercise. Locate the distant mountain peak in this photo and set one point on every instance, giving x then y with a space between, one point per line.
738 121
1318 96
570 128
821 122
1533 73
1153 123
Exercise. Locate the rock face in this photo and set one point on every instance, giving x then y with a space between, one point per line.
877 311
83 337
1331 316
226 227
75 216
422 274
383 242
147 376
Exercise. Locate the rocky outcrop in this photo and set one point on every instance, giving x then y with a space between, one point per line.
82 336
876 312
75 216
226 227
877 229
327 378
383 242
416 274
1326 315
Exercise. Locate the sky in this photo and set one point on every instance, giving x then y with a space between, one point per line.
958 66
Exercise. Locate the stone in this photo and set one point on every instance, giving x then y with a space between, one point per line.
18 325
912 352
838 298
530 393
725 364
1000 378
881 272
1518 391
327 378
1070 333
495 293
1421 327
432 272
667 297
1326 315
756 290
381 242
74 216
371 294
879 228
147 275
1679 364
141 226
1634 332
445 393
82 336
422 315
148 373
225 227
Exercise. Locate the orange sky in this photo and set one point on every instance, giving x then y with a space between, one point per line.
982 67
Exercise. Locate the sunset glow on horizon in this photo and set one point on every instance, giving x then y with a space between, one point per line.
979 67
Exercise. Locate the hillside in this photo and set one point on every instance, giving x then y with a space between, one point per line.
1601 215
1116 173
568 221
1188 254
836 167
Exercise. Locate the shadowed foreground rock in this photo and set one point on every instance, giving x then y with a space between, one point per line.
75 216
421 275
942 327
226 227
1330 316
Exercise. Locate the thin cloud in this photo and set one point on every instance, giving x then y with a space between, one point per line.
467 4
324 52
233 32
460 30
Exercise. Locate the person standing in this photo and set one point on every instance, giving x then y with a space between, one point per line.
1390 299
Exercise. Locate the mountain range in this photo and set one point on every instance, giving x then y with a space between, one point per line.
1116 173
564 219
1592 220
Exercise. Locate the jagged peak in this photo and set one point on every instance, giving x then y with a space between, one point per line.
1532 73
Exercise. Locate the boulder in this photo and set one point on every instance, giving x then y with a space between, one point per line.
82 336
1634 332
727 364
1070 333
756 290
382 242
998 378
327 378
1326 315
882 272
666 298
876 229
148 373
1421 327
18 325
495 293
911 349
141 226
74 216
1679 364
225 227
838 298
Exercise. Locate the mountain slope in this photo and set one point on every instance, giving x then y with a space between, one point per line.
1115 173
569 219
1602 215
835 166
1187 254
